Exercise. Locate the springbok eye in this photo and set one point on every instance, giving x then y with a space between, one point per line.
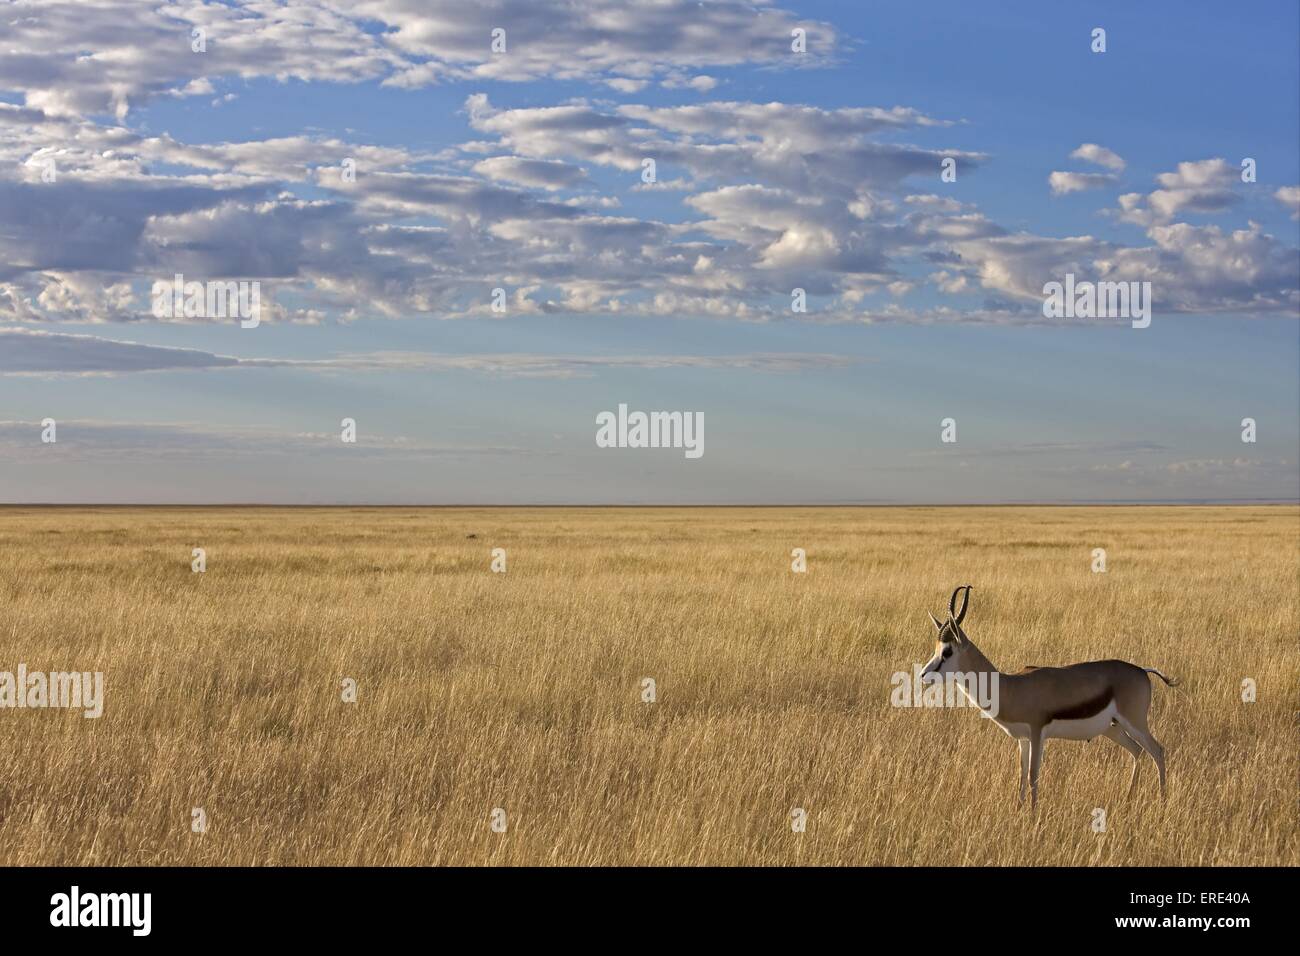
947 652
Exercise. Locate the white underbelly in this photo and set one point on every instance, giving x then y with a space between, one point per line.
1084 729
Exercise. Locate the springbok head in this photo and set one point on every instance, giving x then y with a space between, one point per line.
952 646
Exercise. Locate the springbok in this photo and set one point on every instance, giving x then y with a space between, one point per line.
1076 702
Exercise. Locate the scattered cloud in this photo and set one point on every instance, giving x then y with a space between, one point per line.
1201 186
1289 197
542 173
1063 183
94 57
1099 156
750 200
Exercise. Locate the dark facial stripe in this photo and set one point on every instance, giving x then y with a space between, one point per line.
1082 711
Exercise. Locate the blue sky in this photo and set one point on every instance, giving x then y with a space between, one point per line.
522 171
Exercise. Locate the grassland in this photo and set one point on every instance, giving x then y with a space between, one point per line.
523 690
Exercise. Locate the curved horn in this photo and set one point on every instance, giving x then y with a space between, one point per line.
952 601
964 602
937 625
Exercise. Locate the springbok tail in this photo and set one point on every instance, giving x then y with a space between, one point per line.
1171 681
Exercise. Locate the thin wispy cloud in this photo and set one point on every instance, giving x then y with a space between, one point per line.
40 352
81 440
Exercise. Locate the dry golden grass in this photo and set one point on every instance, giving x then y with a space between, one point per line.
522 691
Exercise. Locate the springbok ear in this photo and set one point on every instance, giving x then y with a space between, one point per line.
937 625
